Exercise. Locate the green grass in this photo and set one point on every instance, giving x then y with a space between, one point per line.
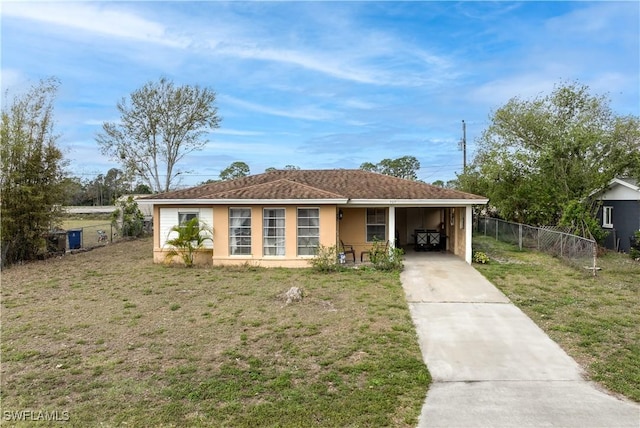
112 338
595 319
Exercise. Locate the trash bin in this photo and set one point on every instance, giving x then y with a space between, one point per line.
56 242
75 239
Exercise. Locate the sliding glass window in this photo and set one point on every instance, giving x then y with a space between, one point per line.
308 231
273 231
239 231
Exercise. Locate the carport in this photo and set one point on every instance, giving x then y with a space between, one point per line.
422 226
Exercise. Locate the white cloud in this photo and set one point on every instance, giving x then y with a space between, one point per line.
318 62
94 18
237 132
298 112
497 92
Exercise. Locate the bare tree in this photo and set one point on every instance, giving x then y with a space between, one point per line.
159 124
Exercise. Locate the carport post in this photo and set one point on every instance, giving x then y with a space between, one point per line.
468 219
391 236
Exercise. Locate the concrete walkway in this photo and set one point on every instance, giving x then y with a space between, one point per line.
491 365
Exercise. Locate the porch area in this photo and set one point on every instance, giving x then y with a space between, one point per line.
418 230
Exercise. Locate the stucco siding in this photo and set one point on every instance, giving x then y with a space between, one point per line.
221 253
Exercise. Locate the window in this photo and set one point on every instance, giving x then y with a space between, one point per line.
376 224
184 217
308 231
273 231
607 216
239 231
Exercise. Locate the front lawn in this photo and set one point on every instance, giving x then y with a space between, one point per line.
111 338
595 319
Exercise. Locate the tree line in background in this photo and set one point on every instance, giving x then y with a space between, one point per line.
538 162
104 189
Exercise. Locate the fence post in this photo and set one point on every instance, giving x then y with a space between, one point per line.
561 244
520 235
496 229
595 258
485 226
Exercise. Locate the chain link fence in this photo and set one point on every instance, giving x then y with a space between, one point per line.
81 238
575 250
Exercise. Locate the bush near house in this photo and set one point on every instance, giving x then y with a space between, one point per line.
384 258
634 251
190 238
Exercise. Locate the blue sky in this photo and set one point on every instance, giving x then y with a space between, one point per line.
319 84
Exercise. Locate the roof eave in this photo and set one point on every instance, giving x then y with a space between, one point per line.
419 202
327 201
613 182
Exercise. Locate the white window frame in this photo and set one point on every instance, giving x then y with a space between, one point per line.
185 216
377 214
236 248
607 217
273 232
303 234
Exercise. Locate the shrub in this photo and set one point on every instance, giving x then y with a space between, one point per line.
480 257
326 259
384 258
128 219
634 251
190 239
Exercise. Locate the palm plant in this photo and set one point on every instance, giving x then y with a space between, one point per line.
190 239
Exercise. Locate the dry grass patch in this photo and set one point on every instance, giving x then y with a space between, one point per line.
595 319
111 337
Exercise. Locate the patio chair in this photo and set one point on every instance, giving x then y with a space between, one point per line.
368 252
347 249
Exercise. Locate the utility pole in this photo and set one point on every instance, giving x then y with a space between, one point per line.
463 147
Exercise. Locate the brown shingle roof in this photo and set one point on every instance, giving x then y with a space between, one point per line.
317 184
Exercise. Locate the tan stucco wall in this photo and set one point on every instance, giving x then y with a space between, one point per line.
220 221
457 235
351 230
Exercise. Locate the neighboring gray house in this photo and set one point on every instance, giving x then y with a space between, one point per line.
620 212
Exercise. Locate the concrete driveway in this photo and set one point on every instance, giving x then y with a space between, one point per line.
491 365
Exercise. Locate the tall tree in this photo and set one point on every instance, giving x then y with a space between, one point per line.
32 171
404 167
104 189
235 170
538 156
159 124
